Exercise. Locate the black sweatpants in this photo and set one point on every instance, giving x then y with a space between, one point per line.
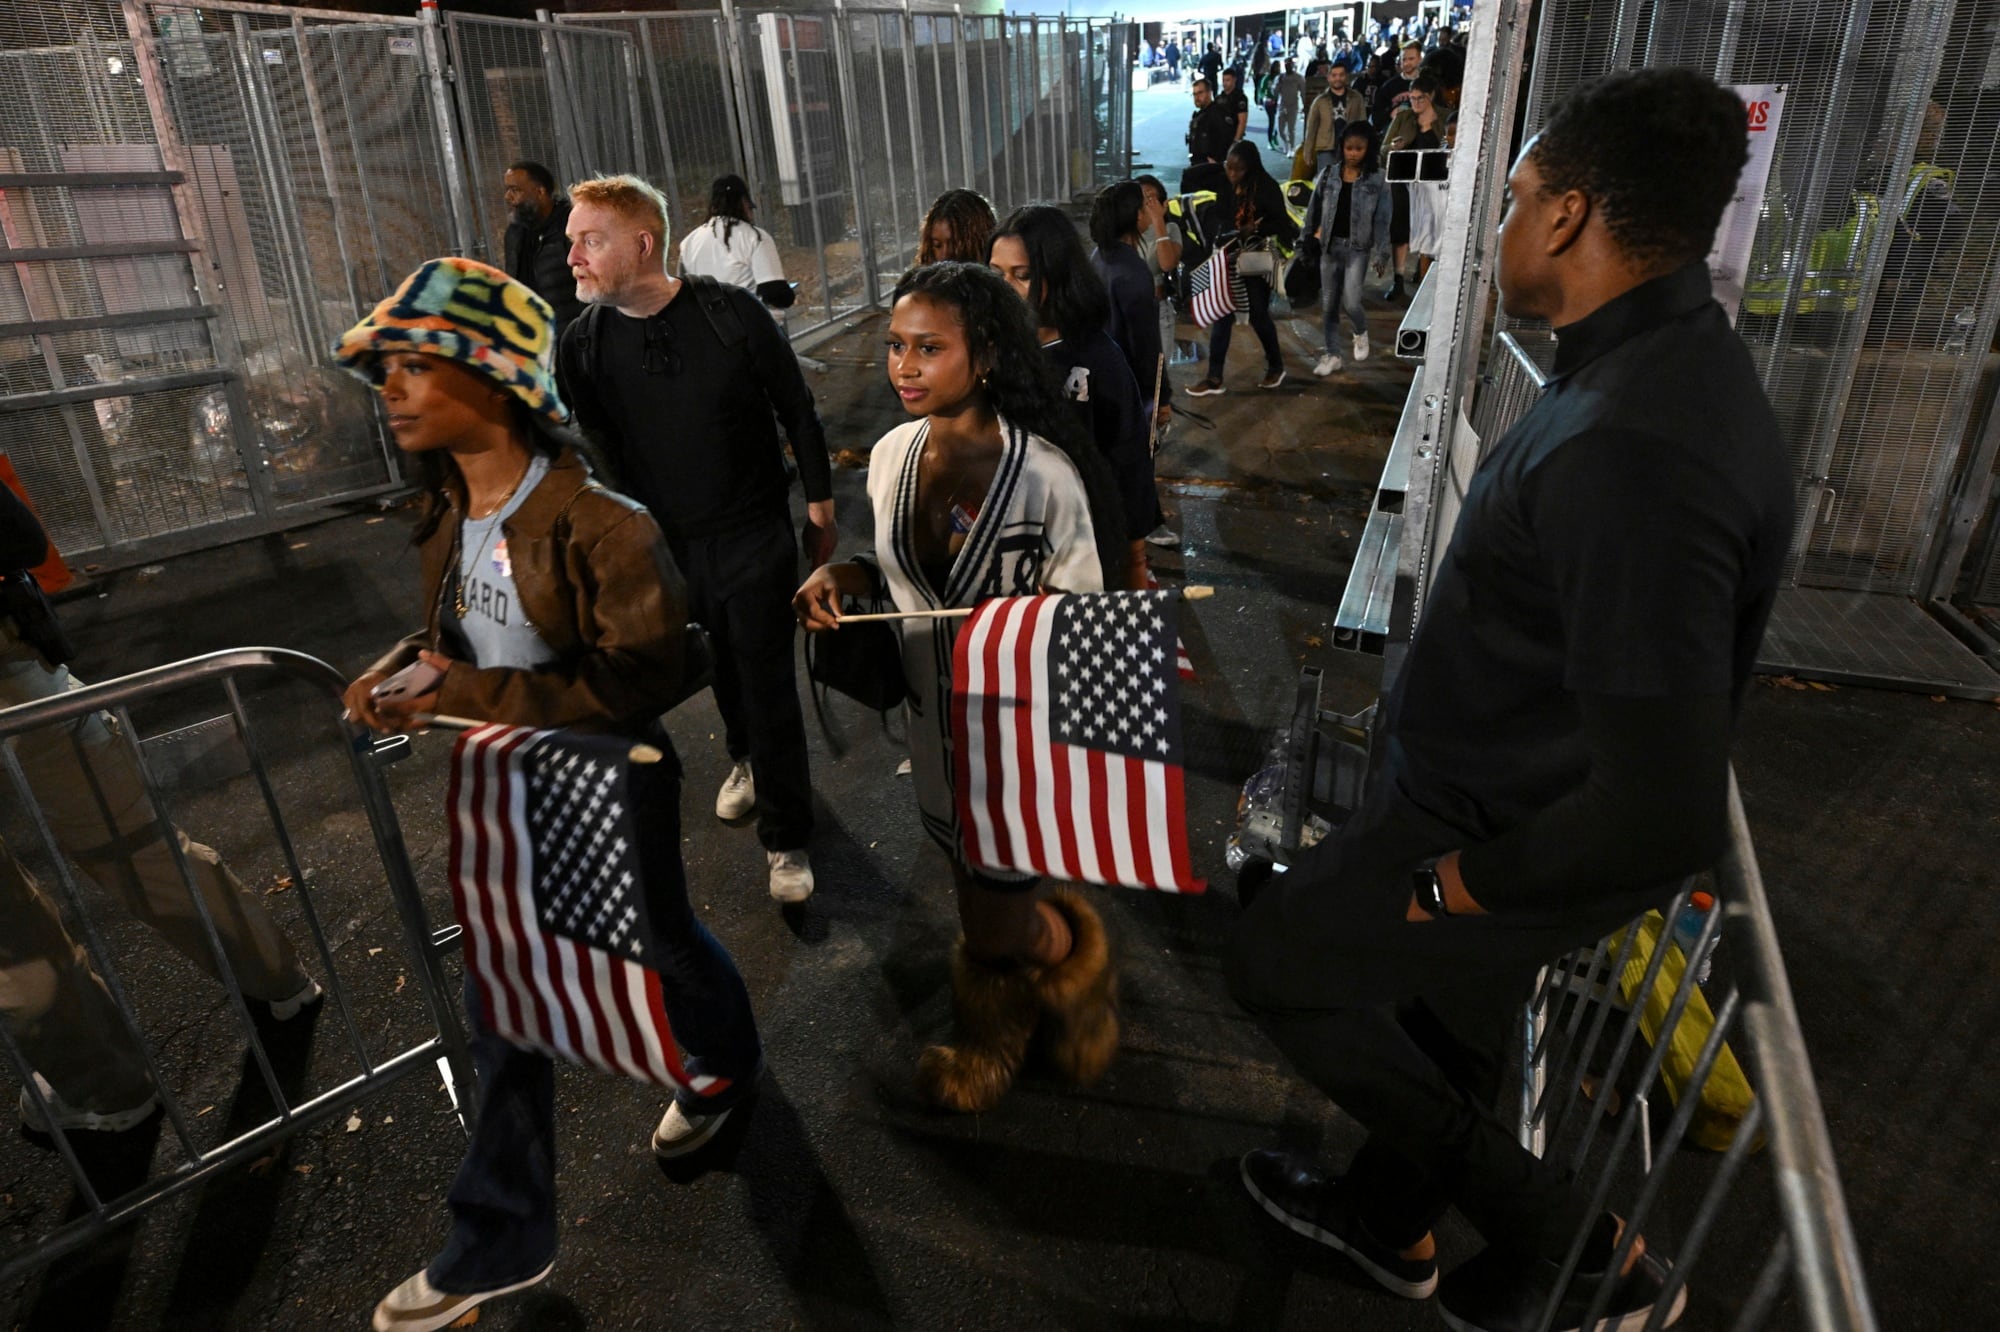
740 586
1405 1025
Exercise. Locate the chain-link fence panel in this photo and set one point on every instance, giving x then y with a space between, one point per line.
111 367
257 100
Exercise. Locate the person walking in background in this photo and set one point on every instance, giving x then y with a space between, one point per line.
1235 104
1332 111
1173 60
1211 64
731 248
1393 93
1160 243
1556 748
1291 93
1041 257
993 449
958 227
537 251
1349 217
683 384
554 603
1249 215
88 1065
1419 125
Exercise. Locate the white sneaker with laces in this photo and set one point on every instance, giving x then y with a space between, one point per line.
1326 365
284 1010
791 875
738 795
1360 347
418 1306
70 1117
680 1133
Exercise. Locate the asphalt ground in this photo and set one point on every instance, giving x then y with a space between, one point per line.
838 1200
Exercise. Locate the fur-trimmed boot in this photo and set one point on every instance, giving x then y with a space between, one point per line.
993 1016
1079 995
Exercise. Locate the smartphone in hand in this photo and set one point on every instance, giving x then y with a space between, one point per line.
413 681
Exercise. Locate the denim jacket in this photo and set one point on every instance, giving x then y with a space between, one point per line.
1368 208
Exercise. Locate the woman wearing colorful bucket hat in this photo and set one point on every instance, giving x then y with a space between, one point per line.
553 603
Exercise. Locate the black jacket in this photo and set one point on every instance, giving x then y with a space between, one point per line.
539 256
24 544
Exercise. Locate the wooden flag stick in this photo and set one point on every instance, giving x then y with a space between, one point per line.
640 753
1195 593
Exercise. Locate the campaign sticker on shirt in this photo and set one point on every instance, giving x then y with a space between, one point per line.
501 564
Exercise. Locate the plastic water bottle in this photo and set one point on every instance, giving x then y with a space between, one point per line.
1962 325
1688 926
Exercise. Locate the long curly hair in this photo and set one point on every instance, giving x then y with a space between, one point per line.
972 222
1021 385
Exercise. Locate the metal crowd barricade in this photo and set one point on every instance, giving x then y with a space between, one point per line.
445 1048
1568 1034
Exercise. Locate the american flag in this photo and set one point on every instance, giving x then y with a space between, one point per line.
549 856
1209 297
1066 732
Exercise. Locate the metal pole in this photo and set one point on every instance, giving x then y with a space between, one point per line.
889 159
736 95
321 141
278 190
850 105
572 162
994 154
636 119
1036 192
360 164
916 115
971 176
798 100
458 194
660 117
1004 199
937 94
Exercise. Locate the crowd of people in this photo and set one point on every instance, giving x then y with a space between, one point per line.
601 447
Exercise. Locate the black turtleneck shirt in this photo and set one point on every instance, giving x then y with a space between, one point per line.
1569 696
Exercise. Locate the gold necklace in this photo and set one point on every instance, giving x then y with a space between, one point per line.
458 605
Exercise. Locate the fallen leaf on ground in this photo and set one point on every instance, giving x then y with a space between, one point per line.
401 981
204 1110
302 1170
471 1317
1824 687
1314 640
373 951
263 1164
282 882
354 1122
850 458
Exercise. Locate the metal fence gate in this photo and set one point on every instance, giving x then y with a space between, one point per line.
1871 305
196 199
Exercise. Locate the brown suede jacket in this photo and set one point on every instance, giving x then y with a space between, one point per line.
596 581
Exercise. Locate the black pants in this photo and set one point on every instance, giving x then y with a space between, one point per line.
1260 322
1404 1025
740 586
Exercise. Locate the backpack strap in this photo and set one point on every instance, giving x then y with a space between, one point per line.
722 315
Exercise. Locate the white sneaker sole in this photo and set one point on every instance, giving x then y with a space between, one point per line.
694 1141
88 1121
1389 1281
729 810
386 1321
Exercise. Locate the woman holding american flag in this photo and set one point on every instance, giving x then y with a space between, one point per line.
554 609
991 490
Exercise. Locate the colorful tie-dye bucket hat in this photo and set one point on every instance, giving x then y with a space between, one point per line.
471 313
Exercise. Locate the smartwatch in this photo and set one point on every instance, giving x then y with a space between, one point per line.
1429 891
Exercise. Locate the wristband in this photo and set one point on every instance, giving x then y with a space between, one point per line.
1429 891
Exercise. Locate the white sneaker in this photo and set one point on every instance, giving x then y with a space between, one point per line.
791 875
418 1306
1326 365
1163 536
680 1133
738 795
284 1010
69 1117
1360 346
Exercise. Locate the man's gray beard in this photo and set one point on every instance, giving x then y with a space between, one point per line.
526 213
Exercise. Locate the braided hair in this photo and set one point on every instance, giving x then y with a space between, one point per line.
729 199
1021 386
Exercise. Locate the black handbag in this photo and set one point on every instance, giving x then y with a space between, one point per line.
862 661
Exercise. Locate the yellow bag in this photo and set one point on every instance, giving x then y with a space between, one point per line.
1302 164
1726 1096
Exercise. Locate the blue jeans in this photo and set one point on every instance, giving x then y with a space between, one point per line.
1260 323
503 1203
1342 269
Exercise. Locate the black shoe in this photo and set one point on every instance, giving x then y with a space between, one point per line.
1497 1291
1395 292
1303 1199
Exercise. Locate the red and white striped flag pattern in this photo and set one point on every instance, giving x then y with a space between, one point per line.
1209 296
548 863
1066 733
